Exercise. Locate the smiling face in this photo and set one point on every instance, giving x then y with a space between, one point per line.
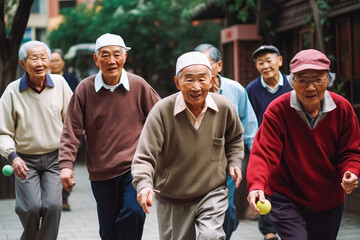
194 83
310 86
56 63
110 60
268 65
36 63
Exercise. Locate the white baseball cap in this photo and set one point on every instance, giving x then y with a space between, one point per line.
191 58
109 39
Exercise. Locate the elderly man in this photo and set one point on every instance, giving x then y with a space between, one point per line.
111 107
262 91
57 66
238 96
306 153
271 83
32 112
189 141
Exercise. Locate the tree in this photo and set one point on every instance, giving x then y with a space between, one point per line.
9 45
158 32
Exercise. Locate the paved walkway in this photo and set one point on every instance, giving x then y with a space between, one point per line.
81 223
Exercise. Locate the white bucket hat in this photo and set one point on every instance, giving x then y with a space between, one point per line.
192 58
109 39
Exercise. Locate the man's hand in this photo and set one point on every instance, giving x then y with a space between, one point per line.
349 182
19 167
145 197
67 178
235 174
254 196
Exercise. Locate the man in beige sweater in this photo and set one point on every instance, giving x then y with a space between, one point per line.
189 140
32 112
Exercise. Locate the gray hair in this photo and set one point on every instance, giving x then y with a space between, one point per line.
28 45
59 51
330 76
213 52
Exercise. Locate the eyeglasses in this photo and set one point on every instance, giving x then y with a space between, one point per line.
305 81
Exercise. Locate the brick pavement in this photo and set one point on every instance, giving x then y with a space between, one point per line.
81 223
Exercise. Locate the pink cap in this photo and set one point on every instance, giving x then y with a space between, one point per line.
309 59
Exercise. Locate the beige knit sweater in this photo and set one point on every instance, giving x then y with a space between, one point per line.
31 123
183 163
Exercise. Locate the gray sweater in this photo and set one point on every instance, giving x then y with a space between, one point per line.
183 163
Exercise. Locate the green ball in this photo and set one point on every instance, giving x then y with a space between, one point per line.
7 170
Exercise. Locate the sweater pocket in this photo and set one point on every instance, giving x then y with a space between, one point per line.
217 150
162 179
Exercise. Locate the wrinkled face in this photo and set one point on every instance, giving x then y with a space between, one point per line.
56 63
310 86
36 63
110 60
194 83
268 65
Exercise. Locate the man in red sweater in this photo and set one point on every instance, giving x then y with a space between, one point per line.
306 153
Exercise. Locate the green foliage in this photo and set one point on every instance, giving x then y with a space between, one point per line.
338 87
239 8
158 32
10 7
324 9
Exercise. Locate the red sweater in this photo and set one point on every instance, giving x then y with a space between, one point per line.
305 164
112 121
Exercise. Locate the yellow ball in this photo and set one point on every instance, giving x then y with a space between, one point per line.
264 207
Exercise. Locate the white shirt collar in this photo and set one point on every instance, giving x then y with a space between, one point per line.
99 82
180 104
328 104
277 86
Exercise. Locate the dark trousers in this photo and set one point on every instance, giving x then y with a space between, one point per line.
120 215
294 223
265 225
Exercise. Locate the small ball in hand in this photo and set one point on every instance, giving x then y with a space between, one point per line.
7 170
264 207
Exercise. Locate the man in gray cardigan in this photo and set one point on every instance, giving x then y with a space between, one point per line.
189 140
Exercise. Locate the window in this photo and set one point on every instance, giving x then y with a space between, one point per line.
40 34
66 4
38 6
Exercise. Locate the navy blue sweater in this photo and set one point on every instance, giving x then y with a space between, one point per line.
260 98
